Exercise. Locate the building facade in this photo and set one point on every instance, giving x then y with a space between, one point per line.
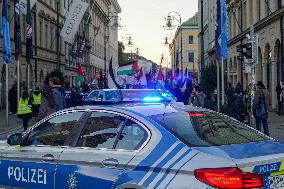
95 35
266 17
187 34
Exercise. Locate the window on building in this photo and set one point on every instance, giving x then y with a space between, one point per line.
46 36
40 34
191 57
190 39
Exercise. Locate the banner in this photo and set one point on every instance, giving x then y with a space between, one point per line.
6 33
224 37
73 20
17 32
218 31
23 5
29 35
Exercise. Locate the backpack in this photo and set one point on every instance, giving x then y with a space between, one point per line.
261 111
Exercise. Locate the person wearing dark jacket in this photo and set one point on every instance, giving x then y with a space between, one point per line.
13 99
178 93
48 105
236 109
280 97
230 92
187 92
71 98
261 94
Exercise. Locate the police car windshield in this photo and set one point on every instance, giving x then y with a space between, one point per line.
207 129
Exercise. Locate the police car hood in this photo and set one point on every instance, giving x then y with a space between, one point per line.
247 153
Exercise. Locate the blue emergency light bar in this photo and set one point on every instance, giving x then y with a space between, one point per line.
150 99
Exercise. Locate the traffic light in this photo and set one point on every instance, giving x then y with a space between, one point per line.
245 50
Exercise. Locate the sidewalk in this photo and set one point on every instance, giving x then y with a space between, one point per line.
276 126
15 125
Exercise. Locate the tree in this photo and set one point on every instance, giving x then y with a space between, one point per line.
209 78
121 56
54 73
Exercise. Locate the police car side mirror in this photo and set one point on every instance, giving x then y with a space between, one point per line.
14 139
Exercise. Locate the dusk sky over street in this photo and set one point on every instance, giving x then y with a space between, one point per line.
144 20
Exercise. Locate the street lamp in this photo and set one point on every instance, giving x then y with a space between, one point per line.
175 16
116 21
167 40
128 39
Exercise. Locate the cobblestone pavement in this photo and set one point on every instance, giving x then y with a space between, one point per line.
276 126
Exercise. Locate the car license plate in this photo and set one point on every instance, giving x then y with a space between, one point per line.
276 182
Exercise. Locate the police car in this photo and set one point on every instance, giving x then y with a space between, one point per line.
142 145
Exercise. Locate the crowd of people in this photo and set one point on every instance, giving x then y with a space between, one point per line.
192 94
57 96
239 103
39 103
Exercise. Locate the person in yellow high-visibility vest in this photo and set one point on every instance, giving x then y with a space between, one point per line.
36 101
24 109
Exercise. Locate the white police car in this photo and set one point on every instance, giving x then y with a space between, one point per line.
148 145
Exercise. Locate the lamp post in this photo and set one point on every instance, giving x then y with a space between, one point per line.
173 15
129 42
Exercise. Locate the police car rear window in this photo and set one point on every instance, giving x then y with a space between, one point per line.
207 129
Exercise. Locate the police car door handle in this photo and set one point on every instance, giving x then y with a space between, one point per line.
48 157
110 163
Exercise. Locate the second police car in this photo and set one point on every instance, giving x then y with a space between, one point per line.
142 145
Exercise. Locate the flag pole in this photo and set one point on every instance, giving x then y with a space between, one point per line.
218 86
7 96
18 80
223 82
28 77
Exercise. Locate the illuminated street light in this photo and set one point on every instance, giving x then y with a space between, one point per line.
175 16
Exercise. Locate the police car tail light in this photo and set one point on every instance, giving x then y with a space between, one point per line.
225 178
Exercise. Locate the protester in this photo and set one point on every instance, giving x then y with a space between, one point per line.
48 105
178 93
187 93
236 108
58 93
198 97
71 98
280 97
36 101
261 107
230 92
13 99
239 87
24 109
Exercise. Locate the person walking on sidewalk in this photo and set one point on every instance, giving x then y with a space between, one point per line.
36 101
280 97
236 109
13 99
261 107
58 93
24 109
48 105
